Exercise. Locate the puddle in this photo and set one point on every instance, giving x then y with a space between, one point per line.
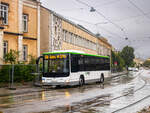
80 106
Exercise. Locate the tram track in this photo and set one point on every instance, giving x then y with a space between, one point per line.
132 104
115 98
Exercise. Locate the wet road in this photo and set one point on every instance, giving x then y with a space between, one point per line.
110 97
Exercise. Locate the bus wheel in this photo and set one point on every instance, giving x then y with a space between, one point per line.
102 78
81 81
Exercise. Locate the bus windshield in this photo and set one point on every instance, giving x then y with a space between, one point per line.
56 64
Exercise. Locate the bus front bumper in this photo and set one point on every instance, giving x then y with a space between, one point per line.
55 83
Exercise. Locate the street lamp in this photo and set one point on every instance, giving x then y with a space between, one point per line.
92 9
126 38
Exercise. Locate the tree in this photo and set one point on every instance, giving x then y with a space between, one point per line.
32 59
11 57
121 62
113 58
116 57
128 55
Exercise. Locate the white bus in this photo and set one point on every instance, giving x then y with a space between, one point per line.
73 68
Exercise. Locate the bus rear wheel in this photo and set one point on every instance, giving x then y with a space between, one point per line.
81 81
102 79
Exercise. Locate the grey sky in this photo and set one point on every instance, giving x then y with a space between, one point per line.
129 19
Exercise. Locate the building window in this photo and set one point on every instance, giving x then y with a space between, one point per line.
4 13
69 37
72 38
64 35
5 48
55 30
25 23
25 52
75 40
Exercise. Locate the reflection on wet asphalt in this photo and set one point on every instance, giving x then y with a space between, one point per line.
75 99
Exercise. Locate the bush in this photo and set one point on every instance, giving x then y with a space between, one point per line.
4 73
22 73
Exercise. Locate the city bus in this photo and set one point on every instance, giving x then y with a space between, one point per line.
63 68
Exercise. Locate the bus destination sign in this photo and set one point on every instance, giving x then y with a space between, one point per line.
55 57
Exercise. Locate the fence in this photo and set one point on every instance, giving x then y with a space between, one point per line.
17 73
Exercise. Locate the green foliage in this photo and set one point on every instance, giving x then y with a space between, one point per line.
4 74
113 58
32 59
116 57
11 57
128 55
21 73
123 58
121 62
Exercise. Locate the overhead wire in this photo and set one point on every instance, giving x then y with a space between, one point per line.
109 20
83 3
109 31
139 9
105 22
73 9
79 20
128 18
112 2
81 8
116 25
98 12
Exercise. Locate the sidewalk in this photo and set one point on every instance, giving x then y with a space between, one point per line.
29 88
21 89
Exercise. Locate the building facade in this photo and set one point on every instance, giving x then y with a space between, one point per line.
20 28
58 33
138 61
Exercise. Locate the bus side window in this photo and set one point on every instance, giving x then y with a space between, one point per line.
81 63
74 63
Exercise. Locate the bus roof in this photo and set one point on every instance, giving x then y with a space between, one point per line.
62 52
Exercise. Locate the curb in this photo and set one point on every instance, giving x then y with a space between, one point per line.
18 93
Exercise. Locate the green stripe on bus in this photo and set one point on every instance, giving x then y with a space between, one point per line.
74 53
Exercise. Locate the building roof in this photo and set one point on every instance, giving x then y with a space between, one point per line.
77 25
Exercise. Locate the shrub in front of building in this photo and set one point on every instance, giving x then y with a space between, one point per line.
20 72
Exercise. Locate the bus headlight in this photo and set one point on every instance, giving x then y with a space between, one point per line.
67 81
43 79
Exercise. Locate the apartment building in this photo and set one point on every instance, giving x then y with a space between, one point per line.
20 28
59 33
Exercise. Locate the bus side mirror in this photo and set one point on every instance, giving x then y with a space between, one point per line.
37 62
38 59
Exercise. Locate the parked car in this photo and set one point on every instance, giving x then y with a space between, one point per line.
133 69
